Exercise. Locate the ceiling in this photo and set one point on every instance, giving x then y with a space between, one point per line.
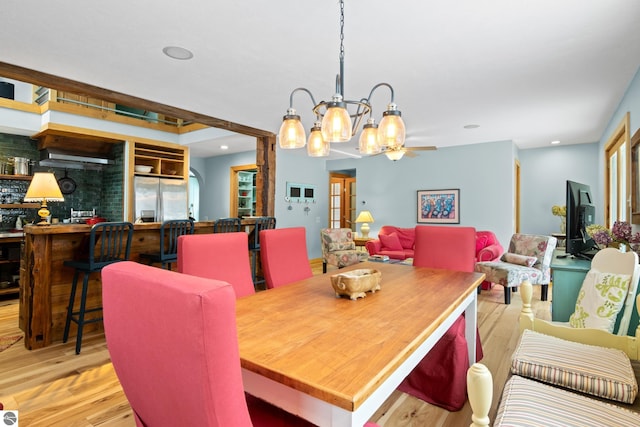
527 71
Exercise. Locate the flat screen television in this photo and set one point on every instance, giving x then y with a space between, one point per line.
580 213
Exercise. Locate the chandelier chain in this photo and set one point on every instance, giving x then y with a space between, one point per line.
342 30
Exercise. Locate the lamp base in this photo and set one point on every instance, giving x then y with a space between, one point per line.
43 213
364 230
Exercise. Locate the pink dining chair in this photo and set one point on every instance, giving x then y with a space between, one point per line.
173 342
440 378
283 252
220 256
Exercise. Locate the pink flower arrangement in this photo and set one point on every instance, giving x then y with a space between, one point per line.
620 233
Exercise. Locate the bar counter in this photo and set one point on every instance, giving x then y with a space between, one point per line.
45 283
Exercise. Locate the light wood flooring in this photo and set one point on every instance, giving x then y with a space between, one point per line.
55 387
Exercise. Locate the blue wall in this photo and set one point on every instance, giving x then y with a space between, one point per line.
544 173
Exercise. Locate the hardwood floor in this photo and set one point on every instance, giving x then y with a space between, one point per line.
55 387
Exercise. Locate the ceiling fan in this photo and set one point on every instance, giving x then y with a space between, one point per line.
396 153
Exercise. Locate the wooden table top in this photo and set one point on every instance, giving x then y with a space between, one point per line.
340 350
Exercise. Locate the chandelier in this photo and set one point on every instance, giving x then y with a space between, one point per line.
338 120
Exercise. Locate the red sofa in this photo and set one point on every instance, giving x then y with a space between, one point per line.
401 246
395 242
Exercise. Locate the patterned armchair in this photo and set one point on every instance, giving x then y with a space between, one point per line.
528 258
339 249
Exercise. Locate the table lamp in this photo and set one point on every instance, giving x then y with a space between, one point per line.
44 187
364 217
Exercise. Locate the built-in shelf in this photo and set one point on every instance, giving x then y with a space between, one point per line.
166 161
19 205
17 177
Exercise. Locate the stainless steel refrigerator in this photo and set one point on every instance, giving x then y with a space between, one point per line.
165 197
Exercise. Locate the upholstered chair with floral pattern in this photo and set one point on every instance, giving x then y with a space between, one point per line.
528 258
339 249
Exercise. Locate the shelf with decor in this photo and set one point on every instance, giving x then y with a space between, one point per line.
19 205
17 177
167 161
246 193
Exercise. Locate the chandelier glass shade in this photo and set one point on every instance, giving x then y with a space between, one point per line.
317 145
339 124
368 143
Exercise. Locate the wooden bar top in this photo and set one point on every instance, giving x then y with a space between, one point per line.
340 350
45 282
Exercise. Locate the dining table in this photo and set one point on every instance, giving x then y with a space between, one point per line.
333 360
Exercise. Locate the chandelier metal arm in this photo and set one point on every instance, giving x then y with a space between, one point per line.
303 90
376 87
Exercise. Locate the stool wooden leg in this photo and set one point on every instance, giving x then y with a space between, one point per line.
324 267
81 313
72 300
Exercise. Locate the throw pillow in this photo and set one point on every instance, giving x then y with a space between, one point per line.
511 258
390 242
600 299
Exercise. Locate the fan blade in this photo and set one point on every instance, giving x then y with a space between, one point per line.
408 153
430 147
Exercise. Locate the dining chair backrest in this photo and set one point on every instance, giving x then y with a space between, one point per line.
109 242
196 364
170 230
227 225
447 247
220 256
283 252
262 223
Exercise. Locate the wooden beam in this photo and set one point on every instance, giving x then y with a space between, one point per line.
60 83
265 140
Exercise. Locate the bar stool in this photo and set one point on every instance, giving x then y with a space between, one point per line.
227 225
169 232
262 223
109 242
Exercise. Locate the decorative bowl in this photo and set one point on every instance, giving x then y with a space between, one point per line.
356 283
143 168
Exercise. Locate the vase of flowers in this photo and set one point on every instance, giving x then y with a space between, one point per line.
561 211
620 236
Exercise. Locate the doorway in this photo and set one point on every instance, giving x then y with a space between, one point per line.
242 191
342 201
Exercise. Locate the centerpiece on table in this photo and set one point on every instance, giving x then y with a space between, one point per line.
561 211
620 236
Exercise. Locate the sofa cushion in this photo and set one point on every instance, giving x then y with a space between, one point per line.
390 242
401 255
600 371
600 300
481 241
518 259
525 403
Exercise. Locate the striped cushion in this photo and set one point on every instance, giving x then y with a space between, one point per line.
529 403
600 371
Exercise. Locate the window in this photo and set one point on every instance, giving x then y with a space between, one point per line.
194 196
617 188
635 178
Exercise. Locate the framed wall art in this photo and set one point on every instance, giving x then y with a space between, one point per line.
439 206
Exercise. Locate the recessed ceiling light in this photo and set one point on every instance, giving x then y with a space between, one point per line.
176 52
555 142
471 126
224 147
